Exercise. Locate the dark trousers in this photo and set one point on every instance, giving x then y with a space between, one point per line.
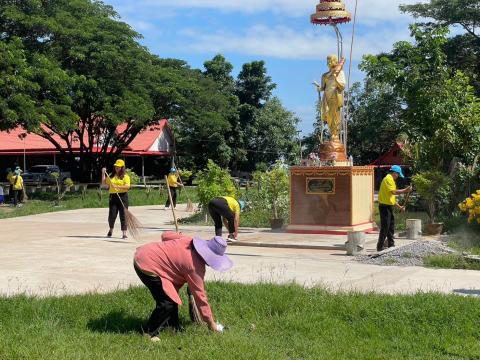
165 313
387 226
218 208
17 196
115 207
10 193
173 192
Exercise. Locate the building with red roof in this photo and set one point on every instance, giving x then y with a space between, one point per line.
18 147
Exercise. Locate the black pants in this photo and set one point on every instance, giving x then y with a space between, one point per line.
218 208
10 193
165 313
115 207
173 192
17 196
387 226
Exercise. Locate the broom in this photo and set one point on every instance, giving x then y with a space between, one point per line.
192 306
189 202
133 224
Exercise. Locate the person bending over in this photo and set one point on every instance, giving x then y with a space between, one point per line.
228 209
165 266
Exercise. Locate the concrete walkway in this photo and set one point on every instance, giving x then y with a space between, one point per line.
67 253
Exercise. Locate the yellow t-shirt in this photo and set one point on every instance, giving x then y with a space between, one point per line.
116 181
17 182
385 195
232 204
172 180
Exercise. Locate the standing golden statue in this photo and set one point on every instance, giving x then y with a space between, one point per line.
333 86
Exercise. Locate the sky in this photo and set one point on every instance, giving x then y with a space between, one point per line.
276 31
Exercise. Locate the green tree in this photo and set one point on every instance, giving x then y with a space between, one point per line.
436 106
213 182
463 50
464 13
274 134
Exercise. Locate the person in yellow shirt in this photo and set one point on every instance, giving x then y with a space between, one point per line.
119 184
229 209
386 202
16 183
173 184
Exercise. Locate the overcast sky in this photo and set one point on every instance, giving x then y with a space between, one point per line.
277 31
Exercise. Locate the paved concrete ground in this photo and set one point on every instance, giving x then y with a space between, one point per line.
67 252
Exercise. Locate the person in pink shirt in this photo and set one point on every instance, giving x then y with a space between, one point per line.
165 266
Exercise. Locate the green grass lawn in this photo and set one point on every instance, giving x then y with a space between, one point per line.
44 202
289 323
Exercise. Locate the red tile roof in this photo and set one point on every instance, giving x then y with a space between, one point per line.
12 144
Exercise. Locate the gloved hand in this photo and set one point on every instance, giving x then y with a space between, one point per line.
220 328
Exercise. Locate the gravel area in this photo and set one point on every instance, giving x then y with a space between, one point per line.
408 255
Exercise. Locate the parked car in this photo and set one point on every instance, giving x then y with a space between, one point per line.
42 174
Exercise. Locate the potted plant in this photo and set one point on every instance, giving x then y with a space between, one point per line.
275 191
433 187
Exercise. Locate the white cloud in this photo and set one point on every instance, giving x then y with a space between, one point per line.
285 43
369 11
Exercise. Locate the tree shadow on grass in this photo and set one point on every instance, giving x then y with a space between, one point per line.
116 322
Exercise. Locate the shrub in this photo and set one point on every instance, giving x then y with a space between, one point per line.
434 189
471 206
272 191
134 178
213 182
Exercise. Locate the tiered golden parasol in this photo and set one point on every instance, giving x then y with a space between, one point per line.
332 12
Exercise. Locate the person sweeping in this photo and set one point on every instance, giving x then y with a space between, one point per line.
16 184
165 266
119 185
228 209
173 184
386 203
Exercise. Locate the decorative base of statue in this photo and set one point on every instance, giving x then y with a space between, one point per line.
332 151
331 199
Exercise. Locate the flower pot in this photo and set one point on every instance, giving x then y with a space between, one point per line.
276 223
434 228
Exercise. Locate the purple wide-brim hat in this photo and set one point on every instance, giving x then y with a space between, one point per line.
213 252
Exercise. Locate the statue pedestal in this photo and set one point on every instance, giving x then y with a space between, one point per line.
331 199
332 151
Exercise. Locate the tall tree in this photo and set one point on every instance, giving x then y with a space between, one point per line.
463 50
220 70
275 135
436 106
253 88
465 13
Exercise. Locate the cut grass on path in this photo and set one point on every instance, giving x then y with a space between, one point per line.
289 323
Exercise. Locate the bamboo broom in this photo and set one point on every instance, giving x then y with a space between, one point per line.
189 202
133 224
192 305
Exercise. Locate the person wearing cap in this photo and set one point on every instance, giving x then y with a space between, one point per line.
229 209
119 184
173 184
386 203
165 266
16 184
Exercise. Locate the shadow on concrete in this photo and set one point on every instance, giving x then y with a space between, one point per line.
246 255
469 292
101 238
87 237
116 322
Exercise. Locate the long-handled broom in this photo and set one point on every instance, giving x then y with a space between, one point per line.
189 202
133 224
192 306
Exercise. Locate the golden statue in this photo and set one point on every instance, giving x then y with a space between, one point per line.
332 85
